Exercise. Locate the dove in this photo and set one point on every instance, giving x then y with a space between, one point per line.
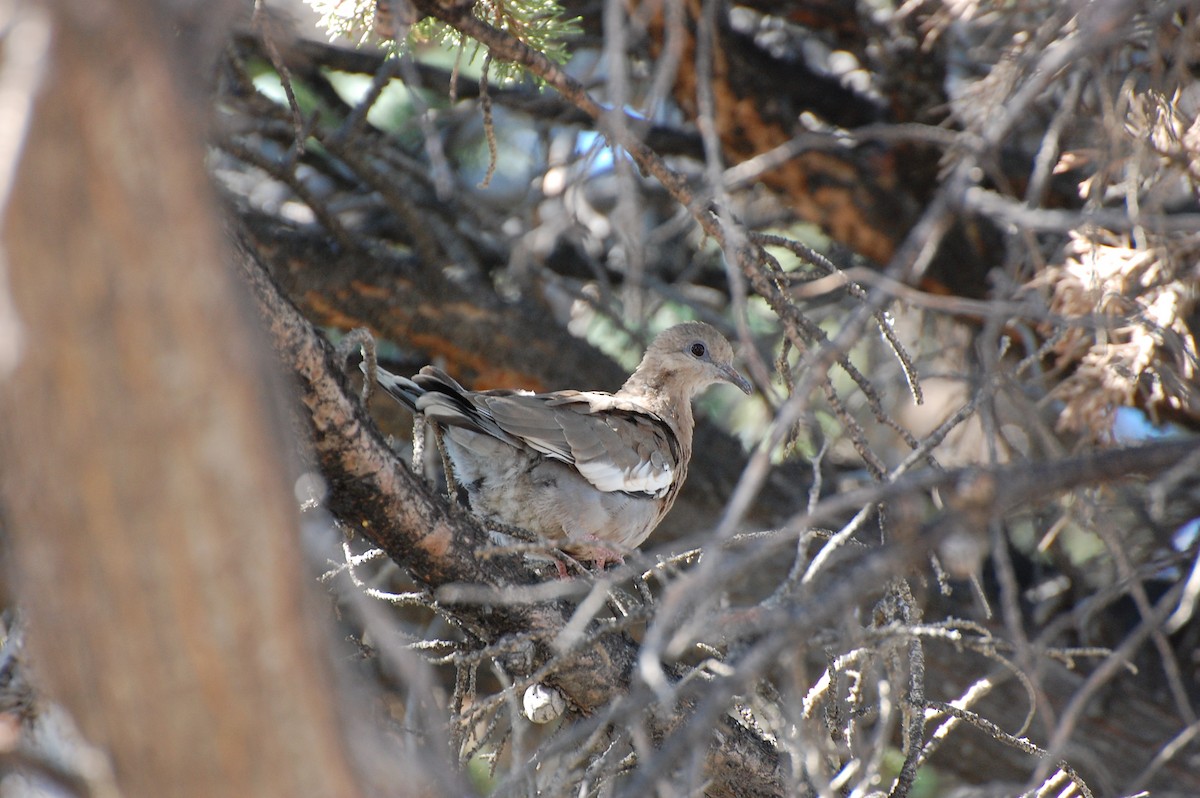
594 472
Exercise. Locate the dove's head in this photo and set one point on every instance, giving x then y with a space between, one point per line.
689 357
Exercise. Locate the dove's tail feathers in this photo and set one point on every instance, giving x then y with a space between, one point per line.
436 395
402 389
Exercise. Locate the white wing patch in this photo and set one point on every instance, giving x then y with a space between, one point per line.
646 478
615 446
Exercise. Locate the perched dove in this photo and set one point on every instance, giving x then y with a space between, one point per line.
597 471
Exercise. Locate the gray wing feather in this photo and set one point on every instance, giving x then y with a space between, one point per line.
614 444
614 448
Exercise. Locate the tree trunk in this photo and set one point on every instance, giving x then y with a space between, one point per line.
153 530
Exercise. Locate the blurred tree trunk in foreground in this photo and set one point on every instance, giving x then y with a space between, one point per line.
152 527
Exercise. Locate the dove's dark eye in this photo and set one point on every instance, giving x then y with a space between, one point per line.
698 349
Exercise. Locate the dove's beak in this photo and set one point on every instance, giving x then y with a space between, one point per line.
732 376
